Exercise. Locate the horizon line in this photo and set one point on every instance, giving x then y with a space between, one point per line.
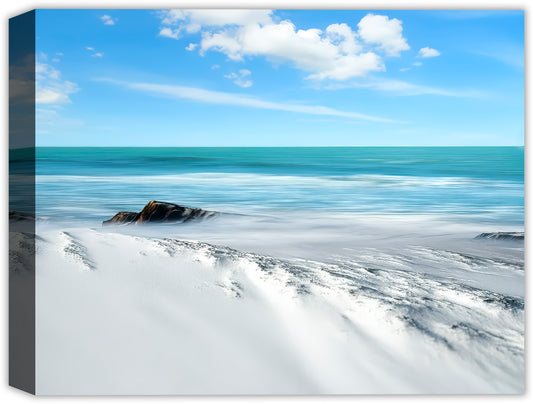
258 147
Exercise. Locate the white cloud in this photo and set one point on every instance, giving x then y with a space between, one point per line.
169 32
239 78
415 64
191 46
50 88
351 66
192 21
403 88
343 36
50 95
108 20
222 42
241 100
215 67
428 52
46 111
309 50
94 54
45 71
59 53
384 32
335 53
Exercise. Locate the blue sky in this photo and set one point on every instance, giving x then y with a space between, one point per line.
279 78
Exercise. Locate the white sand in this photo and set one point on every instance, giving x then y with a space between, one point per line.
125 314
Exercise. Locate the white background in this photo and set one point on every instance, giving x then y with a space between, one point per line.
10 8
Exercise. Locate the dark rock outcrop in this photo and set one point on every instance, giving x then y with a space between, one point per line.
501 236
160 212
122 218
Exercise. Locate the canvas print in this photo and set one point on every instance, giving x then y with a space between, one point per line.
232 201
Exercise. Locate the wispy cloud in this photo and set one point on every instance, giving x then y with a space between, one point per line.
475 14
48 121
50 88
404 88
511 54
415 64
240 100
94 54
108 20
241 78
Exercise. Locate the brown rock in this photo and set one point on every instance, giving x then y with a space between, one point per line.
122 218
157 212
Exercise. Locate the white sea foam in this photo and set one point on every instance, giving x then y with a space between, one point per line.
254 179
100 196
349 307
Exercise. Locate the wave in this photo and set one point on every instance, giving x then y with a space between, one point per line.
268 179
480 199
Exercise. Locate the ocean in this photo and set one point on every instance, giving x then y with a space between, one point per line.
484 184
339 270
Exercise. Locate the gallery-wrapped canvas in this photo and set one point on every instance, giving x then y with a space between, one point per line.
266 202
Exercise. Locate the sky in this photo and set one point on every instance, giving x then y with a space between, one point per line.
279 78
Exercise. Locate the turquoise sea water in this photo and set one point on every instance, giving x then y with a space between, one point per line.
484 184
